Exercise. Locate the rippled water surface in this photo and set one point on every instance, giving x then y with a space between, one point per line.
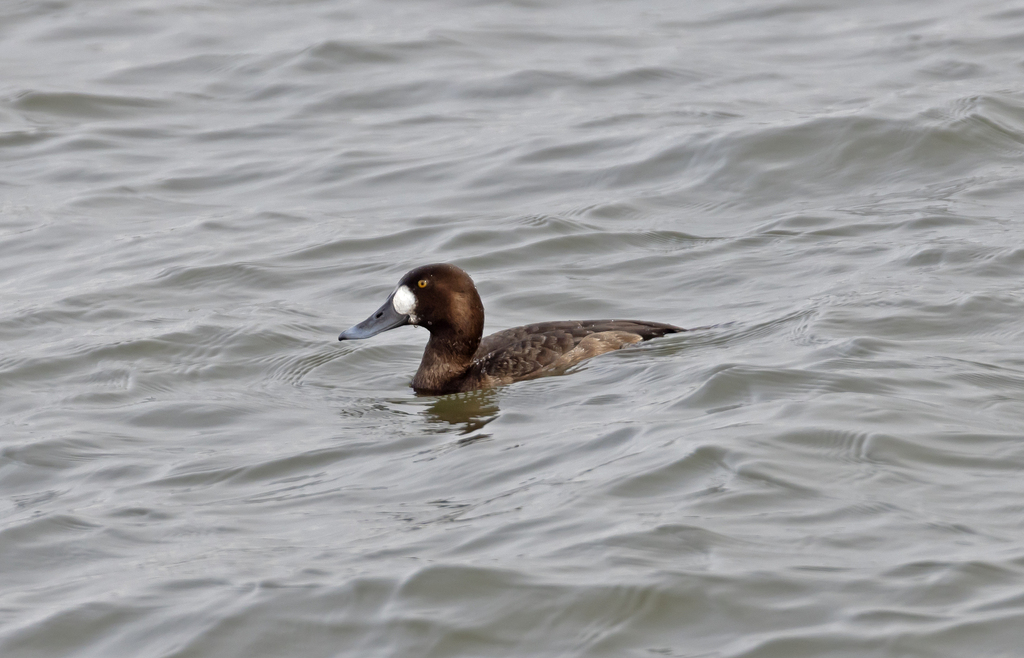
197 196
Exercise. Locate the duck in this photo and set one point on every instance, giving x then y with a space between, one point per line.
443 299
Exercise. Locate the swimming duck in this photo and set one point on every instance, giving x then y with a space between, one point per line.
443 299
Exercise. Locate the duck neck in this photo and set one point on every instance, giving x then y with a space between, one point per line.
445 362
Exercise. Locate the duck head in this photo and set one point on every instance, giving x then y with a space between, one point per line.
440 297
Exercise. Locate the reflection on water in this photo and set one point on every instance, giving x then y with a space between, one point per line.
468 412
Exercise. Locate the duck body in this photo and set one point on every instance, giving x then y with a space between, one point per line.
443 299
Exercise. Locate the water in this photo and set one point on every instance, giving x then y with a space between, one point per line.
197 196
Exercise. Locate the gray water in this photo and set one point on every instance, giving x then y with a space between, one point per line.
197 196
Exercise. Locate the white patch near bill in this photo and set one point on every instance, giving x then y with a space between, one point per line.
404 301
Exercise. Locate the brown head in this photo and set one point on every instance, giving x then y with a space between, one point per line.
440 298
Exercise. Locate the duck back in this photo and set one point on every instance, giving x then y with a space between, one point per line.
548 347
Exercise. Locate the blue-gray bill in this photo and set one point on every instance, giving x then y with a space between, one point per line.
384 318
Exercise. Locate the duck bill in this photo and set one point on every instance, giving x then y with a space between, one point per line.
384 318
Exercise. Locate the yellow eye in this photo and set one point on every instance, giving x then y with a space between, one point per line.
422 283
